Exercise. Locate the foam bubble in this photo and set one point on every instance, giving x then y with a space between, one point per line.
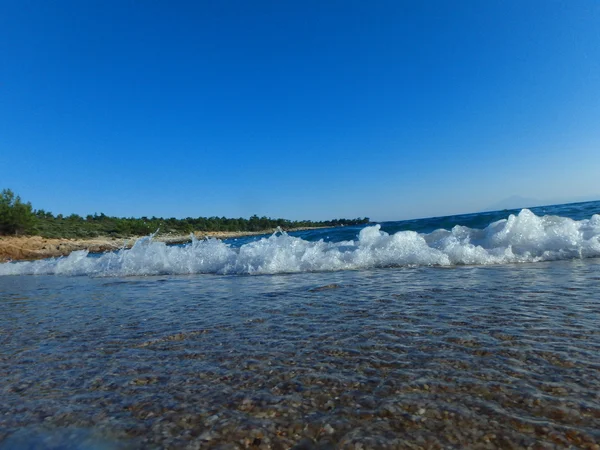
521 238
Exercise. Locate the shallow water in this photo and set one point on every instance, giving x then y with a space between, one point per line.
501 356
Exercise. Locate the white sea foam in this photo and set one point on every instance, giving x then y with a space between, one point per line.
522 238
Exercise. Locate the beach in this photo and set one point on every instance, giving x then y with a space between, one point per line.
479 334
424 176
17 248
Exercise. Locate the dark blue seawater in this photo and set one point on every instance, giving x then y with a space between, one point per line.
474 331
575 211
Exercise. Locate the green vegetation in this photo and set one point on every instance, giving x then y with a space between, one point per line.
16 217
19 218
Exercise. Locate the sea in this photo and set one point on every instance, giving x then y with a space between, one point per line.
470 331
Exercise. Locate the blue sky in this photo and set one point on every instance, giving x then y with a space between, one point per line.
298 109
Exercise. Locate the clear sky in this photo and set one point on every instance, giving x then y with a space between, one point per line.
298 109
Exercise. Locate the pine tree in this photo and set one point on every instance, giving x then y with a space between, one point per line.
16 217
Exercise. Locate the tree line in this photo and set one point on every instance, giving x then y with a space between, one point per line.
19 218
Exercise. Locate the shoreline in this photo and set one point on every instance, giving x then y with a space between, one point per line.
24 248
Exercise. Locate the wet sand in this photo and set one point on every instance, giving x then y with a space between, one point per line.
16 248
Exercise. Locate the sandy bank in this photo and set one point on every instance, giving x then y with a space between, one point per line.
13 248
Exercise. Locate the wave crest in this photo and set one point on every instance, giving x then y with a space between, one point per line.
521 238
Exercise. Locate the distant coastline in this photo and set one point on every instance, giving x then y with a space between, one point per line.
28 233
22 248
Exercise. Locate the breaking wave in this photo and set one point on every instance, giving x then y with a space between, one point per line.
520 238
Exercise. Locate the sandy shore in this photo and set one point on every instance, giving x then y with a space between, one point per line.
13 248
